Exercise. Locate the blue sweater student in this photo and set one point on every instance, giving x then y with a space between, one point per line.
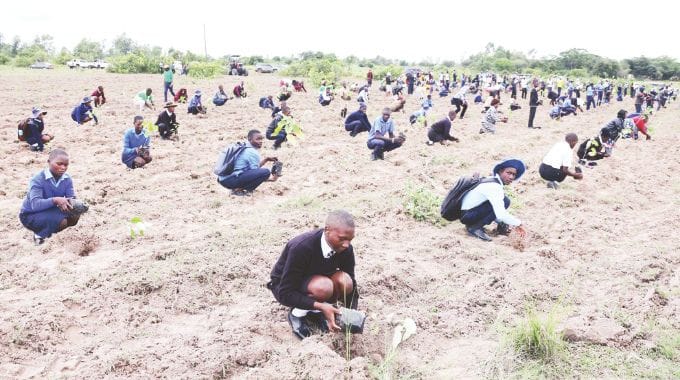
136 145
46 209
82 113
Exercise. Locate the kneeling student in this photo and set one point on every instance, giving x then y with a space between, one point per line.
248 172
46 209
314 270
555 165
136 145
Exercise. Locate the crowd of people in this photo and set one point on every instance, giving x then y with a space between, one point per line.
316 268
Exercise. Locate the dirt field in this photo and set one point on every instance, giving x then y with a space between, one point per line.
187 300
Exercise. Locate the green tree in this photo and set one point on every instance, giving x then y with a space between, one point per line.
122 45
87 49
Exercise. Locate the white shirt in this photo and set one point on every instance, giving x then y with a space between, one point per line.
492 192
326 249
559 155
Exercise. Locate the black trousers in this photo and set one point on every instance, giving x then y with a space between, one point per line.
532 115
549 173
459 105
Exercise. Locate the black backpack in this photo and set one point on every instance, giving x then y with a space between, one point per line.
227 159
450 209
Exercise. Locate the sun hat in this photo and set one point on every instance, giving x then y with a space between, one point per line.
86 99
169 104
510 163
36 111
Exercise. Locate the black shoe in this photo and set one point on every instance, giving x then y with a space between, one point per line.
478 232
317 320
503 229
299 325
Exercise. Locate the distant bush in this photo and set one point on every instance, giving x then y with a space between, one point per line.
133 63
380 72
206 69
423 205
23 61
4 59
318 70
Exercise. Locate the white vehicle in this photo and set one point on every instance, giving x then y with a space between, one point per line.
79 63
99 64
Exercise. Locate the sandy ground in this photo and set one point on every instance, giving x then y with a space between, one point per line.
187 300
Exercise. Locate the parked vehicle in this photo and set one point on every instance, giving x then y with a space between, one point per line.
100 64
236 67
42 65
265 68
79 63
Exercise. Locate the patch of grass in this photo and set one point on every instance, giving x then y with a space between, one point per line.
515 202
537 337
423 205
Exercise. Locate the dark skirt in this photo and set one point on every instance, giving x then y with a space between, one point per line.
43 223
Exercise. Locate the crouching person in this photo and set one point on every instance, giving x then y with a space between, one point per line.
248 172
315 270
136 145
49 204
555 165
33 130
487 202
381 136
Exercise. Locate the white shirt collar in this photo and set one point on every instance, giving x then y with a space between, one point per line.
49 176
326 249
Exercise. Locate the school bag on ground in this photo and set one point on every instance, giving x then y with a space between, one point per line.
450 209
227 159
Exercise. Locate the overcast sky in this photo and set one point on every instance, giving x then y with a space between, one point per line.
410 30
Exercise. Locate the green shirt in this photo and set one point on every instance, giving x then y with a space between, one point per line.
142 95
167 76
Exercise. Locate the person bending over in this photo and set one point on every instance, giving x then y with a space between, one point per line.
82 113
441 131
357 121
555 165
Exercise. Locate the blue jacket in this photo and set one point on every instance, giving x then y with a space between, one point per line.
360 116
80 113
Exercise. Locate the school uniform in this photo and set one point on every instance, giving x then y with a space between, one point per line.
38 211
131 141
551 167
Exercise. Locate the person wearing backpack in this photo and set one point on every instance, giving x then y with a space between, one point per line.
248 172
487 202
33 130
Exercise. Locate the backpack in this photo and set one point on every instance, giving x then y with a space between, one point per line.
23 131
262 100
227 159
450 209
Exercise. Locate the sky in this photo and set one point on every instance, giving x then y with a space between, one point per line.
409 30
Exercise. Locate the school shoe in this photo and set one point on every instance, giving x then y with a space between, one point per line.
241 193
299 325
478 232
429 142
38 240
552 185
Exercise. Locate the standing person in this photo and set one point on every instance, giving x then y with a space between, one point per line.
369 77
82 113
136 145
315 270
34 135
98 96
46 209
492 117
590 96
441 131
533 104
378 139
357 121
168 77
410 82
167 121
459 100
487 202
555 165
525 87
639 99
144 100
248 172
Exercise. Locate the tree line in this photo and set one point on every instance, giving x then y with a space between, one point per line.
127 56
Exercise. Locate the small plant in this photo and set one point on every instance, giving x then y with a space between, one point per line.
515 202
137 227
537 337
423 205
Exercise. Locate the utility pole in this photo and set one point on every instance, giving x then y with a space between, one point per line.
205 43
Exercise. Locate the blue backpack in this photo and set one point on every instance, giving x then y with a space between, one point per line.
227 159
